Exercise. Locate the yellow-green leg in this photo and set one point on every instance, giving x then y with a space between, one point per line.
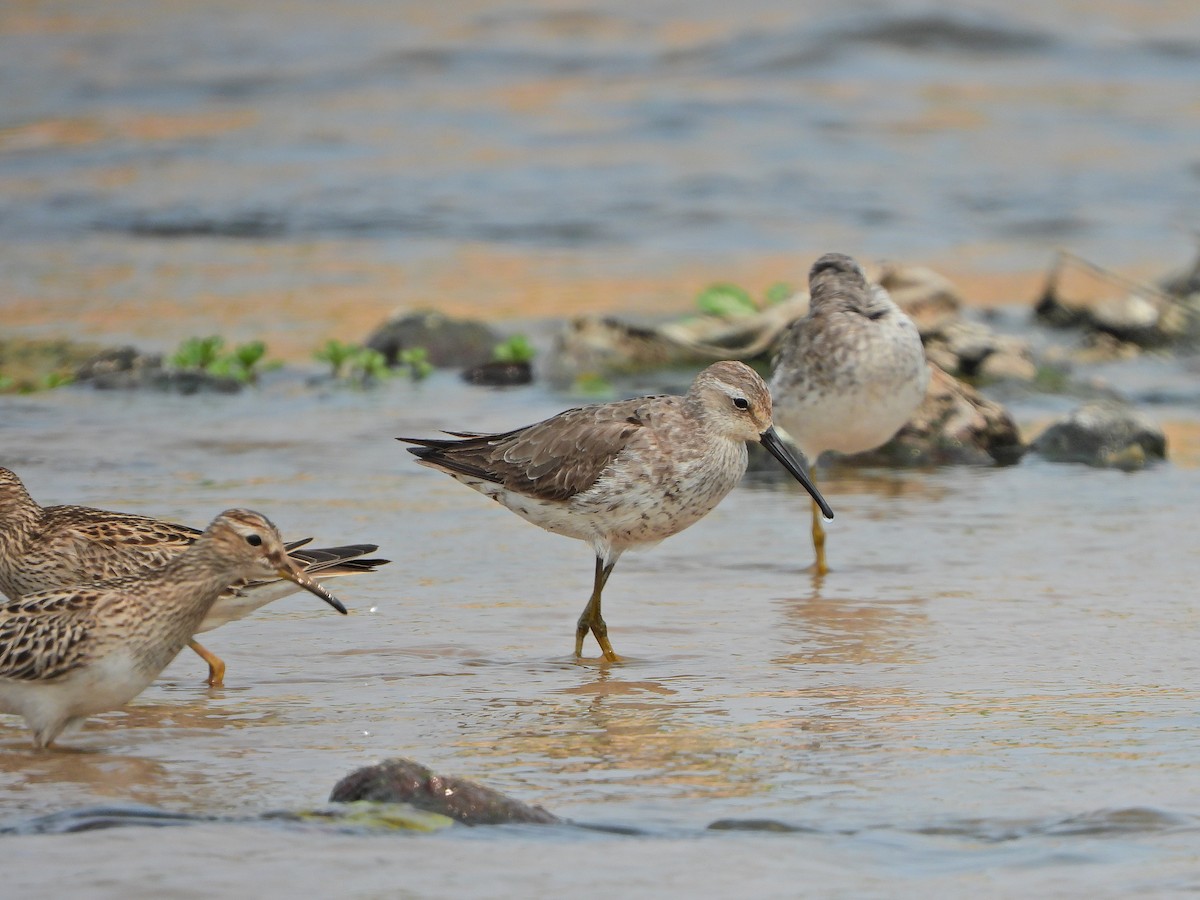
216 666
591 620
818 536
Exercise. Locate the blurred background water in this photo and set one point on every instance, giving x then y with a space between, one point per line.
246 163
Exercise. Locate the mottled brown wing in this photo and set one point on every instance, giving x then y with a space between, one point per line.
103 545
42 636
552 460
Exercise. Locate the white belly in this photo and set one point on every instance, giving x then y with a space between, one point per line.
627 507
108 683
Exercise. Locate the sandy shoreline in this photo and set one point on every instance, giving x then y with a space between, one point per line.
295 296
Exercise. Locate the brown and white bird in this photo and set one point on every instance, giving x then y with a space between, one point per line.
625 474
849 374
46 547
69 653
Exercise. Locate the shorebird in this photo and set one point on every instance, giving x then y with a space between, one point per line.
43 548
69 653
849 374
625 474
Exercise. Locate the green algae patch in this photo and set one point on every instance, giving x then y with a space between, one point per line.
374 816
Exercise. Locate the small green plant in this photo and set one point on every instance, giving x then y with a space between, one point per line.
367 366
516 349
726 301
593 384
250 355
53 380
417 361
730 301
198 353
778 293
207 354
363 366
337 354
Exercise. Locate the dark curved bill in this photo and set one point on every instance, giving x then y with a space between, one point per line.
313 587
771 441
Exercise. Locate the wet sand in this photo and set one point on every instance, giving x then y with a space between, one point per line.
319 291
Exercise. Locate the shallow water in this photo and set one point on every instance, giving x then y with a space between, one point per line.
994 690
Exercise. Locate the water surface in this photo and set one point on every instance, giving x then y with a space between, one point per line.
995 689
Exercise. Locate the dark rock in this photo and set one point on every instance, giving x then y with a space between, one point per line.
192 381
1051 308
449 343
954 425
404 781
1105 434
499 374
104 368
769 825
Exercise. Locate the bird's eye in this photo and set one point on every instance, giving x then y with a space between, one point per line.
254 540
741 402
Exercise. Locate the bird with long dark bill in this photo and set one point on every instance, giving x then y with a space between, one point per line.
625 474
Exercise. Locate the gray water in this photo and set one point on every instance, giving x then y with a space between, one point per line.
993 691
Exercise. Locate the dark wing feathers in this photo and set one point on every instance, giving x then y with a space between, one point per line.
319 561
328 562
552 460
42 635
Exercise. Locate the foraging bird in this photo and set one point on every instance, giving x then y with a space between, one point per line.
624 474
42 548
849 374
69 653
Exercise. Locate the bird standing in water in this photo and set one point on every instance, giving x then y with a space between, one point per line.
849 374
625 474
47 547
69 653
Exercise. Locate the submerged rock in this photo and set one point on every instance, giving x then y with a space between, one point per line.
499 374
773 826
404 781
1105 434
954 425
448 343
